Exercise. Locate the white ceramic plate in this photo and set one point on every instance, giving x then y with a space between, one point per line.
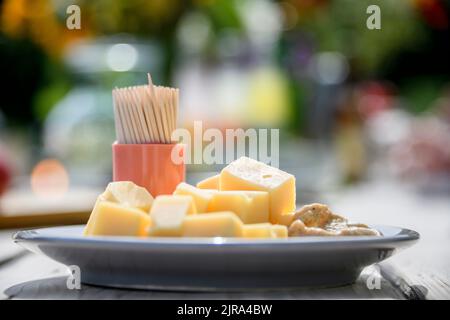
215 263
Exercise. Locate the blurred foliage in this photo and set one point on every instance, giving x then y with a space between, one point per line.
139 17
223 13
33 38
340 25
35 81
47 98
420 93
41 22
23 63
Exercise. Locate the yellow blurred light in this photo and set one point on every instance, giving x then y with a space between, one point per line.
268 103
49 178
38 20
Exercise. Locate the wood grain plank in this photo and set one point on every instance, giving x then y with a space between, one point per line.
423 268
8 250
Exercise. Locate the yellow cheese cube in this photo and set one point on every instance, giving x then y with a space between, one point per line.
167 224
209 183
128 194
249 174
168 213
125 193
201 197
218 224
112 219
258 230
88 229
250 206
279 231
259 210
286 219
174 203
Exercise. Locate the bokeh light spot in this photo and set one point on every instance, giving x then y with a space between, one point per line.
121 57
49 178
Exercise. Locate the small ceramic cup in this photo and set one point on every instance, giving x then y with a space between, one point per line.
157 167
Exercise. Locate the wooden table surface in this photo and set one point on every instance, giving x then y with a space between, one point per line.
421 272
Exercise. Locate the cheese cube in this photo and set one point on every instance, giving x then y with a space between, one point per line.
174 203
128 194
201 197
286 219
168 213
88 229
258 230
218 224
250 206
279 231
167 224
259 210
209 183
249 174
112 219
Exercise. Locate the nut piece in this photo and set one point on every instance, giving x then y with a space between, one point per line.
298 228
358 231
314 215
317 220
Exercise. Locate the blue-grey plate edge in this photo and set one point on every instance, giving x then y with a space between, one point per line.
38 235
299 262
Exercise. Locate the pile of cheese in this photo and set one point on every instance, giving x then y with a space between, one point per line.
247 199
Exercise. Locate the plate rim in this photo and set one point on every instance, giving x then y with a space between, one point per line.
35 236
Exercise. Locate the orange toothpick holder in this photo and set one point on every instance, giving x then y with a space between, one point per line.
157 167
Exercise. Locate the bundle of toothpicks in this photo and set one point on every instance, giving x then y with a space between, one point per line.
145 113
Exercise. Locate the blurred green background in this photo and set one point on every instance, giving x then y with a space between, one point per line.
353 104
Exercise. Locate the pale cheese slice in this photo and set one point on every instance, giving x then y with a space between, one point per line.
217 224
250 206
112 219
249 174
128 194
168 213
209 183
279 231
258 230
200 197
